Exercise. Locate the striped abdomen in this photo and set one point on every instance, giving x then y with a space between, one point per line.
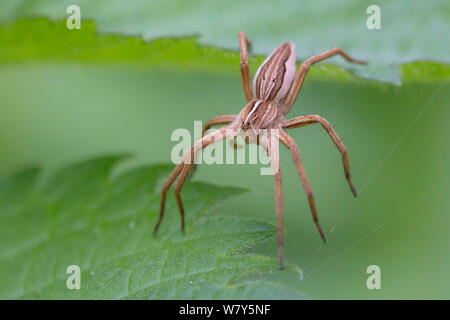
274 77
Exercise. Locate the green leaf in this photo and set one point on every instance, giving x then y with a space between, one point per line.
84 215
409 32
39 39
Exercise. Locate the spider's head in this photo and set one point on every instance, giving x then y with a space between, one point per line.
257 115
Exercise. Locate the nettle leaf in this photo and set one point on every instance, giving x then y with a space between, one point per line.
409 32
83 215
40 39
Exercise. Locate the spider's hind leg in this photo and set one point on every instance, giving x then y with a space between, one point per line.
245 70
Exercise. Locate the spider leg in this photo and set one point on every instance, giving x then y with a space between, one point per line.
290 143
177 190
245 70
183 169
309 119
274 156
166 187
224 119
303 70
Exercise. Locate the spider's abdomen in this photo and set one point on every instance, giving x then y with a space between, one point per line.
258 114
274 77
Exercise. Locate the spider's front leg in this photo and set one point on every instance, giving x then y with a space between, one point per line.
166 187
224 119
309 119
273 151
183 168
292 146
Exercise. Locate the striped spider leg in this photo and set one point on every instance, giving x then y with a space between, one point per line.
182 171
310 119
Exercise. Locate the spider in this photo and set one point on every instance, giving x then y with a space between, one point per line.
276 86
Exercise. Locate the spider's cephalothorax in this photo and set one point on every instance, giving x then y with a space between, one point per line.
275 88
257 115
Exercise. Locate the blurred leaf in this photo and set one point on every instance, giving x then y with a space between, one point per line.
81 216
409 31
39 39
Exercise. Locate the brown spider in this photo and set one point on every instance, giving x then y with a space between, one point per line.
275 88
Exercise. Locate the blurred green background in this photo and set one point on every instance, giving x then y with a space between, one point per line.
52 114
